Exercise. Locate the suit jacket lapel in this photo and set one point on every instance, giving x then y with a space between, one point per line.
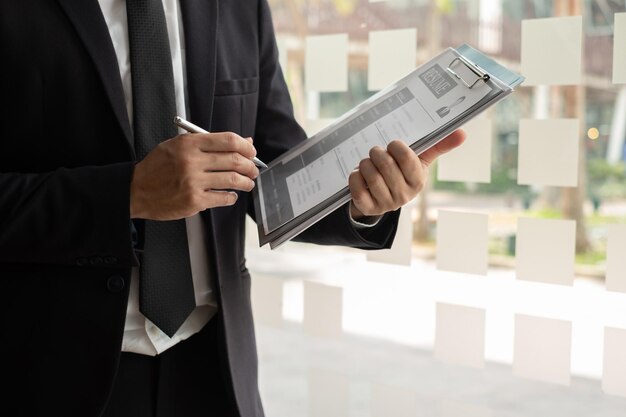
88 21
200 20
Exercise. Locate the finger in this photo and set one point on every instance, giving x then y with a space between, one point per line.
229 161
376 184
389 169
226 181
360 194
216 198
409 164
455 139
224 142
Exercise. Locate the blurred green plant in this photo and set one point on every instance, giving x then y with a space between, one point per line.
544 213
602 220
502 182
592 257
605 181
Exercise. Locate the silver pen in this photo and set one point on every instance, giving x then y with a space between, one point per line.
191 128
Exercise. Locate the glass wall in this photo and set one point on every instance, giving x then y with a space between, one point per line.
504 293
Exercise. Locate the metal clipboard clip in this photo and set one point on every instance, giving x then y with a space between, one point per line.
482 76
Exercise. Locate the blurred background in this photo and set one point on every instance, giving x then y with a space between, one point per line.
344 333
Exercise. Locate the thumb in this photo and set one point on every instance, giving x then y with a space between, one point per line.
450 142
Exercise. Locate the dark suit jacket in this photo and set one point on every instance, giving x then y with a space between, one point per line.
66 160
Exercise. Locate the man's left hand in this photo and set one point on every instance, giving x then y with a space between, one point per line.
390 178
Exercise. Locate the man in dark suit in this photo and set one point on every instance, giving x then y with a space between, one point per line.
99 208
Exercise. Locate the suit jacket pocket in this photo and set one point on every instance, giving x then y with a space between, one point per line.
237 87
235 106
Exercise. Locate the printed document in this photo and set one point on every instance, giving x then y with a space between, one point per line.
429 99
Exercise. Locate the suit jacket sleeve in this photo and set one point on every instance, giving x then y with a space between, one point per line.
277 131
67 216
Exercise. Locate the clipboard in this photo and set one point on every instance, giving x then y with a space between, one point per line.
308 182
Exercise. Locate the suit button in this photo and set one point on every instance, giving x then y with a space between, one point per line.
115 283
110 260
96 260
82 261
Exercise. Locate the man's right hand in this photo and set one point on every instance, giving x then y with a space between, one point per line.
190 173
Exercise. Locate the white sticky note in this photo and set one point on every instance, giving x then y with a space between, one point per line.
323 310
328 394
392 55
615 259
326 63
552 51
614 367
619 49
393 401
470 162
460 335
548 152
542 349
545 250
454 409
462 240
401 250
267 301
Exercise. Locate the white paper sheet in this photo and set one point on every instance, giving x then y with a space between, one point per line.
393 401
462 240
401 250
619 49
392 55
267 301
460 335
615 259
470 162
545 250
543 349
548 152
323 310
328 394
552 51
326 63
614 366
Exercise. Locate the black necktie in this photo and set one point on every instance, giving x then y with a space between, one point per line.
166 295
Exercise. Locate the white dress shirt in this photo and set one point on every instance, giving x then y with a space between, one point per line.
140 335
